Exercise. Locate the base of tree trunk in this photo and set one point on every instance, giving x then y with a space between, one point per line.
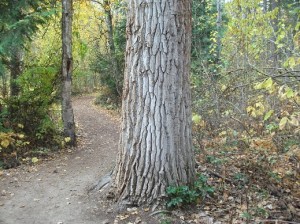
106 189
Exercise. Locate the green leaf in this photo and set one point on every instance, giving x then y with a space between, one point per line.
268 115
196 119
171 190
258 85
292 62
246 215
267 84
289 92
280 45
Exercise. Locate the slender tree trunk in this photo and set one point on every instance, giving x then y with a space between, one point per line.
155 144
111 44
4 85
16 69
219 26
275 22
218 61
265 6
109 24
67 66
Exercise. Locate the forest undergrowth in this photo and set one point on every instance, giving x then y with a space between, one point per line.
253 181
248 167
251 158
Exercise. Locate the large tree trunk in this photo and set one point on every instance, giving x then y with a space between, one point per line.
155 144
67 67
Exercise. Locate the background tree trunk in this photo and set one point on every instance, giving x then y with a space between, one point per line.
155 145
111 44
16 69
275 25
67 67
219 27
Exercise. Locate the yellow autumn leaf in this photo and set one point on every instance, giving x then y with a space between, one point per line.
34 160
297 99
272 89
281 92
67 139
223 87
20 125
5 143
283 123
223 133
291 62
251 111
196 118
294 121
260 108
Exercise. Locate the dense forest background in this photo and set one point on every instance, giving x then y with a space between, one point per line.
245 89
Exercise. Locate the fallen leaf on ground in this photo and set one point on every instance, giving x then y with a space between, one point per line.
34 160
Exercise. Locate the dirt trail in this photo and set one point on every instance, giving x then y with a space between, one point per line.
55 191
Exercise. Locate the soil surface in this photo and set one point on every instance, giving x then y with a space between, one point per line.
61 189
56 191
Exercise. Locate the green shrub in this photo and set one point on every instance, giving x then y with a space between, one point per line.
31 108
183 195
10 146
108 98
30 114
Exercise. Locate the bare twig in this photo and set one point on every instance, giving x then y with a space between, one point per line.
244 126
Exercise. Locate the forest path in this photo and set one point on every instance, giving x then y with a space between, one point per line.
55 191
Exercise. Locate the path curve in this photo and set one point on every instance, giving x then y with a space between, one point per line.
55 191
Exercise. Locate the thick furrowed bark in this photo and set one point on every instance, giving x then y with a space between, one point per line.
155 145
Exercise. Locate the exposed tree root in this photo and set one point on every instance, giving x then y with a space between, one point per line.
104 182
159 212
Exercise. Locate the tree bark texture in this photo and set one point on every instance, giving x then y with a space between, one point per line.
155 144
67 67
